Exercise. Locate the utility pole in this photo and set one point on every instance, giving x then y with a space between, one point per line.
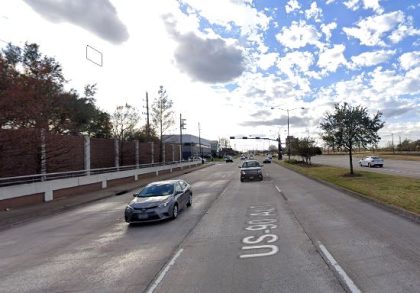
147 115
181 127
393 149
199 142
280 155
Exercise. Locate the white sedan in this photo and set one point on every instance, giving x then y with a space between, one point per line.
371 161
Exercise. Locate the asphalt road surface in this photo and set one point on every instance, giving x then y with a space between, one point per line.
237 237
392 167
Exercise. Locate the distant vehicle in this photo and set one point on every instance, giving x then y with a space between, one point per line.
251 157
270 156
371 161
267 160
243 157
159 200
228 159
251 169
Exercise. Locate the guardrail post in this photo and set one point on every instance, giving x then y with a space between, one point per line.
86 149
117 154
48 195
136 142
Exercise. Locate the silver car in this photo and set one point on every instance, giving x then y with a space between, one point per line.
159 200
371 161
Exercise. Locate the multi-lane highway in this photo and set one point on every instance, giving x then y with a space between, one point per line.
392 167
272 236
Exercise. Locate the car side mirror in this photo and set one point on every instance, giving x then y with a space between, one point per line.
135 194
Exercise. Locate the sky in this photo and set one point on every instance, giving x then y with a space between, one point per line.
226 63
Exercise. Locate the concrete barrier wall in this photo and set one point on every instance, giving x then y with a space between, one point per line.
32 191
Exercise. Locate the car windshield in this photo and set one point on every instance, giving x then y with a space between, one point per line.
157 190
250 164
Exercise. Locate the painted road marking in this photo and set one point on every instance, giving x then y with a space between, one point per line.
164 271
281 193
343 275
260 244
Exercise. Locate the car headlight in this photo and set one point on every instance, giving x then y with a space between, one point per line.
129 208
259 172
164 204
243 172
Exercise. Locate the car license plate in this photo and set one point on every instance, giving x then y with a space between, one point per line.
251 177
142 216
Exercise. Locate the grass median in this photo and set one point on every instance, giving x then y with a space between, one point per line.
402 192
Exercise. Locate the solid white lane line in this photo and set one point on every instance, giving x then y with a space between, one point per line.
281 193
164 271
343 275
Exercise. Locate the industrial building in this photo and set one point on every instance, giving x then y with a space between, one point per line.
191 145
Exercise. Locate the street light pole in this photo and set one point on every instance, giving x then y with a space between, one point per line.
288 126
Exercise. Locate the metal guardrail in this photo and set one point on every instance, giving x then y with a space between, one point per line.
8 181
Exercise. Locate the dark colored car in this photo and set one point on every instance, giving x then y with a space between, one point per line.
251 170
228 159
159 200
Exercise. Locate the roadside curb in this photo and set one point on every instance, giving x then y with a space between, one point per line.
17 217
390 208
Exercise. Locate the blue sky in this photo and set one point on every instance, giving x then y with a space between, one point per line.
226 62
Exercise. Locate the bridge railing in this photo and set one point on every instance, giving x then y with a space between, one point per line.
8 181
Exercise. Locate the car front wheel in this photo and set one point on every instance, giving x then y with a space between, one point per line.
189 203
175 212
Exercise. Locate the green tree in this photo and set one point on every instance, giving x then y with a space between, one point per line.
142 136
349 127
124 121
32 95
162 116
305 148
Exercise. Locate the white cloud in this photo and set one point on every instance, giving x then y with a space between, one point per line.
226 12
404 30
373 4
331 58
329 1
295 62
314 12
367 4
298 35
388 83
352 4
327 28
370 31
265 61
371 58
410 59
292 5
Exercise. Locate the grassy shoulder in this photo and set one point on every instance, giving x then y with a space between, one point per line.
398 191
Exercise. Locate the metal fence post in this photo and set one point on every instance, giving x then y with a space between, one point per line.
117 154
86 151
136 142
153 152
164 153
